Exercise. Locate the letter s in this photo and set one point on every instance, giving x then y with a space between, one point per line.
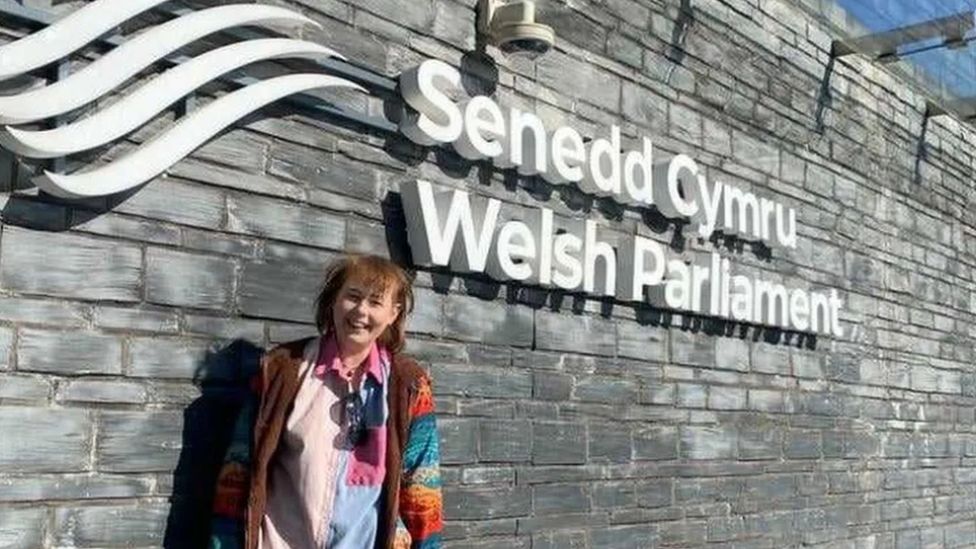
425 88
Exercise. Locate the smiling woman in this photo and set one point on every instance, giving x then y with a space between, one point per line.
343 452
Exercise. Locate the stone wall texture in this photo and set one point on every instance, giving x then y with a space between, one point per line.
127 325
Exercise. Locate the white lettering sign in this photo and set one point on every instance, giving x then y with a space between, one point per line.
453 229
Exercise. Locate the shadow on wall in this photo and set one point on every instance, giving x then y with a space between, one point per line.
208 422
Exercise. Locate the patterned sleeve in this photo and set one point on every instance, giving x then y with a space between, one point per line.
421 510
233 480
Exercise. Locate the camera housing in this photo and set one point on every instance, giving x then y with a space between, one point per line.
511 26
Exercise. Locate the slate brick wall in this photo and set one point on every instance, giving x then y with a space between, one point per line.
127 325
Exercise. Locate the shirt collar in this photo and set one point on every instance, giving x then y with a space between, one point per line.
329 360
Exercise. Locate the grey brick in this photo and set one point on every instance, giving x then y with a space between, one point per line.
551 499
334 173
22 528
732 354
692 349
610 442
6 343
86 268
128 319
486 408
69 487
960 535
48 440
708 442
215 175
93 390
658 394
691 533
644 107
138 441
691 395
488 475
547 523
172 358
241 149
559 540
507 441
126 227
560 71
771 488
188 280
101 526
20 387
220 243
199 206
613 495
760 443
494 542
551 386
574 333
488 322
280 220
765 400
642 342
458 440
281 290
45 312
428 313
625 50
558 443
654 493
481 381
807 364
685 124
462 503
606 389
68 353
725 528
826 404
656 443
726 398
226 328
451 21
769 359
625 537
802 444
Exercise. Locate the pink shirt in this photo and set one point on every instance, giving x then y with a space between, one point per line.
312 453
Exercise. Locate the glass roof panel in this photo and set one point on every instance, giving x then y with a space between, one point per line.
929 41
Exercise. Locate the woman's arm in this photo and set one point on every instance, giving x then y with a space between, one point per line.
421 509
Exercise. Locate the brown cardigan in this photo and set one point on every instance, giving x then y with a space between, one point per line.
280 383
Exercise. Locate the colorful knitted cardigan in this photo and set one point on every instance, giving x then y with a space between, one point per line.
420 519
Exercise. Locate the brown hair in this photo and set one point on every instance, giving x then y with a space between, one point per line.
378 274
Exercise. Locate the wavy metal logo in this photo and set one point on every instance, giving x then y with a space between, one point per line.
135 109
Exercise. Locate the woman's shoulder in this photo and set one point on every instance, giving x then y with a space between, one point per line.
284 356
292 350
409 370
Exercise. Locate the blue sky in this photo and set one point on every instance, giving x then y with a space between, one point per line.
955 68
880 15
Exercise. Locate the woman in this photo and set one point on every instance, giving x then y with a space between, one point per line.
338 447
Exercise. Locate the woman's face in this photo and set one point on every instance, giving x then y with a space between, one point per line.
361 314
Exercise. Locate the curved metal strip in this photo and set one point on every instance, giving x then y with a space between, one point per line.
137 108
157 155
127 60
68 35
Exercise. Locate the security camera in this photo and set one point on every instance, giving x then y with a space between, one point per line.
510 25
